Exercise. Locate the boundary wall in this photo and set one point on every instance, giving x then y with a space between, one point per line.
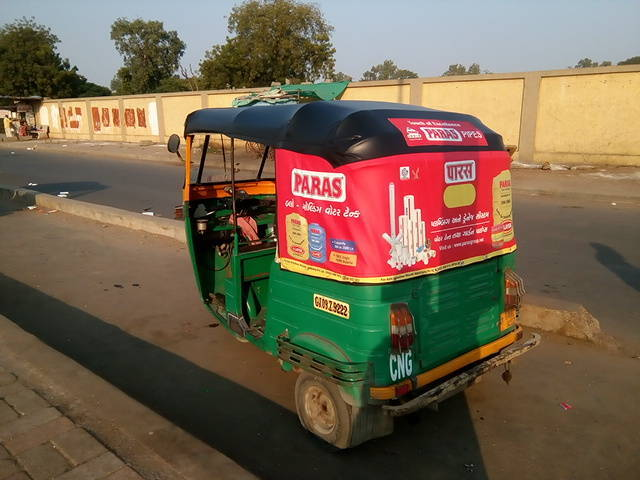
573 116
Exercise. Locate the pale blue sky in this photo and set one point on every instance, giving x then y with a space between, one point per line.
424 36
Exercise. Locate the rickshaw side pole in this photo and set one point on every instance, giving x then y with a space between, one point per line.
187 170
236 240
264 160
202 157
224 157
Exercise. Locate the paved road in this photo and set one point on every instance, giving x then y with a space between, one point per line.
134 185
124 305
583 250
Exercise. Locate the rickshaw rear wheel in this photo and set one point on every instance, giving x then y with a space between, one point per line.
322 410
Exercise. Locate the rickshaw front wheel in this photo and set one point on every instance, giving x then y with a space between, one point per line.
322 410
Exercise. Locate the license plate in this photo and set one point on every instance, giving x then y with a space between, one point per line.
330 305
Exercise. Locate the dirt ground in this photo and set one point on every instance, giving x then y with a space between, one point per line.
124 305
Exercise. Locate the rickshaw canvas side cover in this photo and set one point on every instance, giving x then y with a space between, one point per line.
392 218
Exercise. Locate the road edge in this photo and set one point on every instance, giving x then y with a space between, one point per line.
100 213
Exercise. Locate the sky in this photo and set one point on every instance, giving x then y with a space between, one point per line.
423 36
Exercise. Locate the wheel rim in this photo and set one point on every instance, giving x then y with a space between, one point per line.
320 410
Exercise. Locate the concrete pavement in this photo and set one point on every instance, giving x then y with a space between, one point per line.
37 441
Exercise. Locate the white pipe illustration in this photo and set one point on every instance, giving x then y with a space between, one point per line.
409 246
392 208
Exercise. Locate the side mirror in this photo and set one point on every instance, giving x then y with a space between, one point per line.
174 143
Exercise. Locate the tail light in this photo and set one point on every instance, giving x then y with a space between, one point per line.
402 327
513 289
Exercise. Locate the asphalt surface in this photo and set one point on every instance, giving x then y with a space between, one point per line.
136 185
579 249
124 305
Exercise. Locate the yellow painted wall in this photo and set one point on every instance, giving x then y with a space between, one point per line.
589 118
136 132
109 132
221 100
380 93
582 116
78 113
176 110
497 103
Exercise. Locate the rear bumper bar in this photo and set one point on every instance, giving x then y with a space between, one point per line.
456 384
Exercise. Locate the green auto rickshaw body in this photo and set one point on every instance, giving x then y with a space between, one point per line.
382 304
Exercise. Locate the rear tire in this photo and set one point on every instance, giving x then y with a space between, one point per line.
322 410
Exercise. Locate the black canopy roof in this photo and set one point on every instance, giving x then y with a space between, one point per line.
341 131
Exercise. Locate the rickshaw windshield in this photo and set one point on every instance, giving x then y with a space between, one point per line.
212 158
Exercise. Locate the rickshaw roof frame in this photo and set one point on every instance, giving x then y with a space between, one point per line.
341 131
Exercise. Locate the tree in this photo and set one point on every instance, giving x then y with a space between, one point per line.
150 53
387 70
31 65
630 61
588 63
270 41
459 69
90 89
173 84
341 77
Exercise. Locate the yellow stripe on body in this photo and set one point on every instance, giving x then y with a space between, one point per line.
389 392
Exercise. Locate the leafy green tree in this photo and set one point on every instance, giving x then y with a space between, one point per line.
270 41
459 69
341 77
588 63
474 69
387 70
630 61
455 69
150 53
90 89
31 65
173 84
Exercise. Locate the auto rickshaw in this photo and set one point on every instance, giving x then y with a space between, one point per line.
378 263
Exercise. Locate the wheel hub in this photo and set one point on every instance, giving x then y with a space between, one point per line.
320 410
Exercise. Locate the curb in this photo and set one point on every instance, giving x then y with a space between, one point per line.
100 213
620 199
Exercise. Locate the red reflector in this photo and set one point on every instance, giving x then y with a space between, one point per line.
402 389
513 289
402 327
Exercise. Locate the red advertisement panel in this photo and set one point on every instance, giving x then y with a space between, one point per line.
95 115
392 218
425 132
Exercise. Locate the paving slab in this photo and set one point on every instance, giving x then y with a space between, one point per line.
78 446
97 468
28 422
25 402
43 462
39 435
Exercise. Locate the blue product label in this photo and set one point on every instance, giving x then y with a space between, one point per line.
343 245
317 243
